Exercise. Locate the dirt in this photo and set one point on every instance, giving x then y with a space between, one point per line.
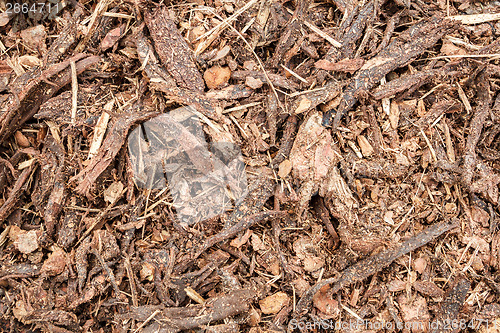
249 166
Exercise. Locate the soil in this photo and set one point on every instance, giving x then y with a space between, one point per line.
249 166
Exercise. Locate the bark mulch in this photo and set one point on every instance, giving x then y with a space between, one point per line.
368 136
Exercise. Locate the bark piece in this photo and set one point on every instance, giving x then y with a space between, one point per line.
111 145
217 76
175 319
65 40
27 242
50 191
450 307
345 65
173 50
23 270
15 194
274 303
371 265
34 88
162 81
57 317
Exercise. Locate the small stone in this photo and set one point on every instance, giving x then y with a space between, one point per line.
217 76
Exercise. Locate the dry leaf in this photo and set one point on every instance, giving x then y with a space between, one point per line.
366 147
20 312
29 61
196 32
312 263
285 168
304 104
113 192
414 312
300 285
112 37
241 240
394 115
419 265
222 53
4 19
100 130
34 37
428 288
253 83
324 302
257 244
274 303
449 48
21 139
396 285
147 271
480 216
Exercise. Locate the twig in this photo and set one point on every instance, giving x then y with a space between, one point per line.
108 271
373 264
74 92
242 225
215 31
147 320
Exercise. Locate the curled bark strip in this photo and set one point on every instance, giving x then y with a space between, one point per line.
287 141
111 146
176 319
476 126
82 262
371 265
15 194
35 88
50 191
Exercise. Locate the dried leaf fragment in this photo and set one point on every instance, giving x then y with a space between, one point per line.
113 192
274 303
285 168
